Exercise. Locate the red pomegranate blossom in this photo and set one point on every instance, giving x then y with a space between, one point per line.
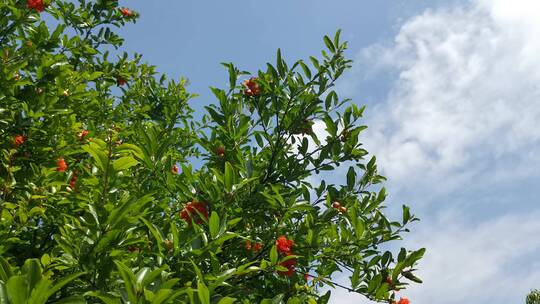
126 12
289 264
73 181
251 87
175 169
220 151
193 212
253 246
402 301
82 134
37 5
120 81
257 246
61 165
18 140
284 246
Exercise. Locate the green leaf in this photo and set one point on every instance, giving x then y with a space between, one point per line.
124 163
415 256
32 269
203 292
106 298
329 44
118 214
359 229
259 139
63 282
382 291
331 127
279 63
141 274
131 148
154 230
227 300
406 214
324 299
232 75
17 287
5 270
150 277
273 255
129 281
336 38
98 154
397 270
306 69
229 176
351 178
409 275
45 290
402 254
225 237
175 238
214 224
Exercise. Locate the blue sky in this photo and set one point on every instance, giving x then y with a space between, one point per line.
454 109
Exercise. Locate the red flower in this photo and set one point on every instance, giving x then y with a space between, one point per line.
257 247
174 169
61 165
284 245
38 5
403 301
289 264
253 246
73 181
307 276
18 140
83 134
251 87
126 12
120 81
194 211
220 151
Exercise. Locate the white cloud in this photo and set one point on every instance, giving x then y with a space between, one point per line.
493 261
487 262
467 95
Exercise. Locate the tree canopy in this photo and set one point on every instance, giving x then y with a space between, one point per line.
112 190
